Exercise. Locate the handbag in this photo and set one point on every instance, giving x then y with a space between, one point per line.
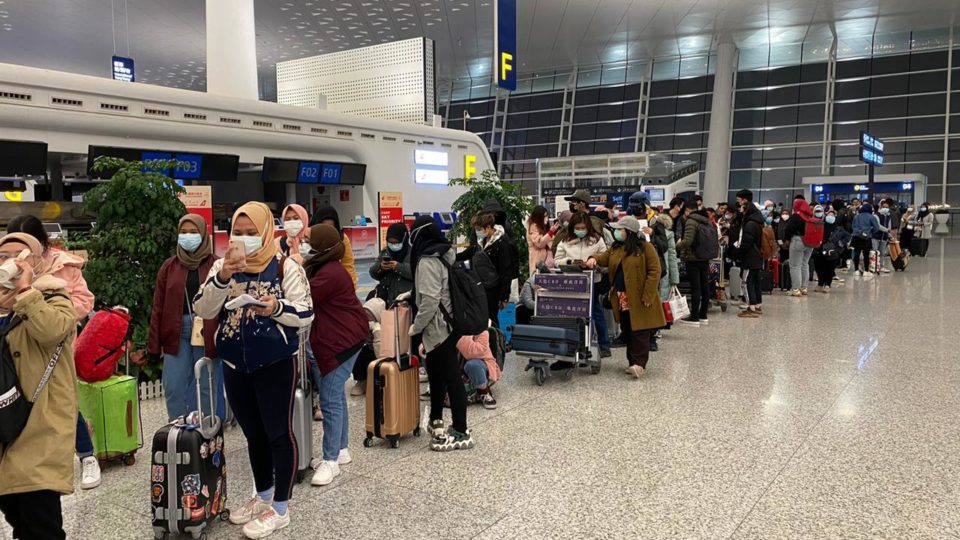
678 304
667 312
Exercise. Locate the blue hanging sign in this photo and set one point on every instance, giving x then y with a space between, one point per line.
505 43
123 69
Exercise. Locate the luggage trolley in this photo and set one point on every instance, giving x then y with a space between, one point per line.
560 330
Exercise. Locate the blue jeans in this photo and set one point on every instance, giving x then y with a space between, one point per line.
179 383
333 404
476 370
600 325
84 446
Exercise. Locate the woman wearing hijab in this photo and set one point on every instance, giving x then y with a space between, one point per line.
38 323
392 267
295 244
259 347
172 320
328 215
340 329
432 298
69 268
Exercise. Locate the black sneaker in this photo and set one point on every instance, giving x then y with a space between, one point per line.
488 401
653 346
454 440
605 353
618 343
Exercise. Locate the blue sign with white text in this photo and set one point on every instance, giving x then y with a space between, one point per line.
505 43
189 166
330 173
123 69
309 172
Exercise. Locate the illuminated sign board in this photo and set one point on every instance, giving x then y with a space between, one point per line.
431 167
429 157
123 69
505 43
871 149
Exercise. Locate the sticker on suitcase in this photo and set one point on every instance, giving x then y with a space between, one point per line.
158 473
188 501
190 484
157 493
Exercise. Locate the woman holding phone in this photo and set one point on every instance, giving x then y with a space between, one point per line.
258 343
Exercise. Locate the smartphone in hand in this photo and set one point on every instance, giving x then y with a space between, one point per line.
236 252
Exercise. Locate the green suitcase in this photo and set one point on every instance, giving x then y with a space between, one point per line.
112 411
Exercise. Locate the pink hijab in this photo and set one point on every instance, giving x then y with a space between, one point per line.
294 241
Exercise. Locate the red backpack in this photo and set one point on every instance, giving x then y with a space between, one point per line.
101 343
813 233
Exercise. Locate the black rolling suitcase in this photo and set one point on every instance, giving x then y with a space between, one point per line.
188 482
561 336
766 281
919 246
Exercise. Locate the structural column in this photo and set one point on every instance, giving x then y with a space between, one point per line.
717 169
231 49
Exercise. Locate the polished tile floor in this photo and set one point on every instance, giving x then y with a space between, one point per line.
832 417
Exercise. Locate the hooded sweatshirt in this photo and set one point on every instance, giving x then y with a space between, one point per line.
797 224
329 212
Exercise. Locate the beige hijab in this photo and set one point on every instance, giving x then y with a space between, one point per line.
262 218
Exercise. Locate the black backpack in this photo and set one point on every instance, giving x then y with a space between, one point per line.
468 298
14 406
707 244
485 269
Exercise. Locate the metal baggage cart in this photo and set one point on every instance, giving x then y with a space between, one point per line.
718 282
564 300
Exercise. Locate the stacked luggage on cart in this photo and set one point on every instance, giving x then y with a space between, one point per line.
559 336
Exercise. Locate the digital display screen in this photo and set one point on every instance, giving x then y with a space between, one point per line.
871 157
290 171
192 166
123 69
23 158
870 141
430 157
655 195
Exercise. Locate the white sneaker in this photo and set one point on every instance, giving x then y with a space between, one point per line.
266 524
359 388
704 322
253 509
344 458
423 375
326 472
91 473
885 270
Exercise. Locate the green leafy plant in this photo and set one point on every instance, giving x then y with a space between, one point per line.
137 213
510 196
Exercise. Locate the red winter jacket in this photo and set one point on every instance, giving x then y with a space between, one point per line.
340 324
166 318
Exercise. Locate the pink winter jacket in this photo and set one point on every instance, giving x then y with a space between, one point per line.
471 347
68 267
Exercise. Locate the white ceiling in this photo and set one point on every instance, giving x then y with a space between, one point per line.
166 37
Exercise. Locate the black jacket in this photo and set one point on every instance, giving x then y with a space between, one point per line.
501 252
750 237
796 226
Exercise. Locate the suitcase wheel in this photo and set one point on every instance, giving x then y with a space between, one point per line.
417 431
568 374
129 460
540 375
368 442
595 369
394 442
225 515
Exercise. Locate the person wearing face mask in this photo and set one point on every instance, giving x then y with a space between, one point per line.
584 242
835 241
340 328
746 249
540 238
491 240
922 223
328 215
392 268
69 268
634 276
881 238
580 203
799 253
864 227
259 345
38 325
784 249
294 243
173 319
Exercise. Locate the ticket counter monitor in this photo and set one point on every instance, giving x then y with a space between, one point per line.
908 188
445 220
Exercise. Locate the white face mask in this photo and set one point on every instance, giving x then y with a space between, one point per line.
293 227
305 249
250 243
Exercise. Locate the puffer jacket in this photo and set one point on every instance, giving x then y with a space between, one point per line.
432 290
580 250
41 458
686 244
478 346
672 277
747 247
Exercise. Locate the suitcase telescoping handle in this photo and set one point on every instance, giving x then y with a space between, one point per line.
209 424
303 335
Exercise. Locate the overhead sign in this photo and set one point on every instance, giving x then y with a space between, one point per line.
505 43
469 166
292 171
430 167
190 166
123 69
871 149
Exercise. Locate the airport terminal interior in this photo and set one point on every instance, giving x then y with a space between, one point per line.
782 368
